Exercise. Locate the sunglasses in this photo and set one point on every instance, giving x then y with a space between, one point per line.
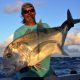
27 11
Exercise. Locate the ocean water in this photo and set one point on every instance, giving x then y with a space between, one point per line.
60 65
64 65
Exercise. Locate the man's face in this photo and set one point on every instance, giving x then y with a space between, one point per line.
29 14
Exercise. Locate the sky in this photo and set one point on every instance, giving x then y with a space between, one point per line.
53 12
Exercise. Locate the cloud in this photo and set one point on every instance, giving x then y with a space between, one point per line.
6 42
9 40
73 38
72 44
2 47
10 8
73 50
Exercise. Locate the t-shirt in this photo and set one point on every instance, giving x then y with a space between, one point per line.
45 63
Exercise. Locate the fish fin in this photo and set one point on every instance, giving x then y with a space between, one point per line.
69 16
37 49
64 53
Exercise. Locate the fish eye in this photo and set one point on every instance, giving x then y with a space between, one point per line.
8 55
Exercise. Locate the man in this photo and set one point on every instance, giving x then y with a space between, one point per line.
28 14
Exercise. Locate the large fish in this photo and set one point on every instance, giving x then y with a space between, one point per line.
30 49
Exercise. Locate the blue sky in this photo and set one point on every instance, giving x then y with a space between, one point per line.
53 12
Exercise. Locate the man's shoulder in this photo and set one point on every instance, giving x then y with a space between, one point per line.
19 29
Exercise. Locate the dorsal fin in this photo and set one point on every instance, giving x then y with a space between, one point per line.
69 16
40 24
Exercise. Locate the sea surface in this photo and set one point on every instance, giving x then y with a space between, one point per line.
64 65
60 65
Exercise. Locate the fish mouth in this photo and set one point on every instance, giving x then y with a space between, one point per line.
8 70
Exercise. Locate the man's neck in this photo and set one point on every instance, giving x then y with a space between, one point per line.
30 23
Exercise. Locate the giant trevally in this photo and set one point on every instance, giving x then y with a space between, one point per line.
31 48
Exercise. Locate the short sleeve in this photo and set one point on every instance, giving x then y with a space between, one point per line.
19 32
16 35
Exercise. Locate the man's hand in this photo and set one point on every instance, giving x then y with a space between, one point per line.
38 66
